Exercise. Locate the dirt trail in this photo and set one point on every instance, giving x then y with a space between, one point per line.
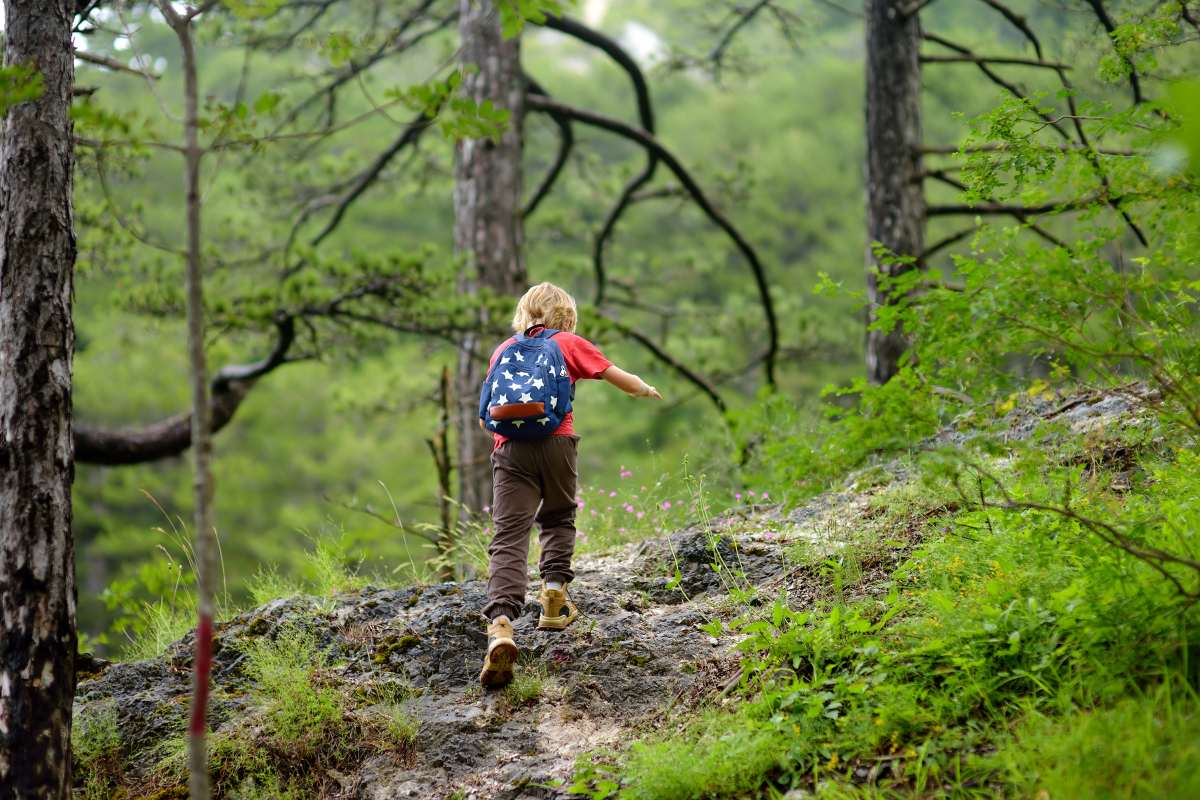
636 651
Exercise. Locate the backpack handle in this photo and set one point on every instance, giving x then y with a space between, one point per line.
547 332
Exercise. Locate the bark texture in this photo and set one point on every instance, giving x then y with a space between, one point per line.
488 233
895 197
37 256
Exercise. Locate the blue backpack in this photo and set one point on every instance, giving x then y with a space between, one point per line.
527 392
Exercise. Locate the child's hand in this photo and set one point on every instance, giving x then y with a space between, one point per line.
649 391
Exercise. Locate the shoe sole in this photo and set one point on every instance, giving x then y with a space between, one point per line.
498 665
554 623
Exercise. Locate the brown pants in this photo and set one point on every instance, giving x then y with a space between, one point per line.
530 480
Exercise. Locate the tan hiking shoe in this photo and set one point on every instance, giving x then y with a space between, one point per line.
557 609
501 655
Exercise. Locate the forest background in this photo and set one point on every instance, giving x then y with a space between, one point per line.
330 453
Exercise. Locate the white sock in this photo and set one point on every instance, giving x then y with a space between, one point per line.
553 585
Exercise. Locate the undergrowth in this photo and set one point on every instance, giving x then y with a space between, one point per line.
1010 652
303 726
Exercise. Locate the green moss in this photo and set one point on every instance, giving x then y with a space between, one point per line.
98 752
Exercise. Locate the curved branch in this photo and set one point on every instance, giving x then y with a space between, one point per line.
566 142
996 79
745 16
697 194
684 371
1018 22
945 242
411 134
577 30
641 90
173 435
1135 83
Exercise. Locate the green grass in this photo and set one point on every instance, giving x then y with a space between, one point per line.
400 727
528 683
98 752
301 711
1146 745
1013 632
161 623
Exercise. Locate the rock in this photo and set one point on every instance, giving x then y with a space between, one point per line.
637 649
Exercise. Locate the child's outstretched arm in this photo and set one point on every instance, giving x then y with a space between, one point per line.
629 383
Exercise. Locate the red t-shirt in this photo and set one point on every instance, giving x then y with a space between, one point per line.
584 362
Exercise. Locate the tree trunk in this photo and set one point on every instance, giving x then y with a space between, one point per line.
37 256
204 550
487 225
895 196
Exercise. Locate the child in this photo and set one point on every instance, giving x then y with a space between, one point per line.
535 480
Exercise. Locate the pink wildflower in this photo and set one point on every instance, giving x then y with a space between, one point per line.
666 506
750 493
593 512
580 503
641 514
612 494
628 508
737 496
766 496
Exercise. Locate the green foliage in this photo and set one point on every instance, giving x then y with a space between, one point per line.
19 84
998 618
400 727
720 756
97 750
527 685
302 713
1146 745
515 13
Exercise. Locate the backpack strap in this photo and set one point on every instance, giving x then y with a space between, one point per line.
544 333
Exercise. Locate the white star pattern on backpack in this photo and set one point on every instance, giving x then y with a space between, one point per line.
530 369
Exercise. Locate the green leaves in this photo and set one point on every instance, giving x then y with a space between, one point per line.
1183 103
515 13
19 84
253 9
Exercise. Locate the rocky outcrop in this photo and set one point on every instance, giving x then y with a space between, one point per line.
636 651
635 659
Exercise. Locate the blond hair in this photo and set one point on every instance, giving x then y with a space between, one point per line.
545 304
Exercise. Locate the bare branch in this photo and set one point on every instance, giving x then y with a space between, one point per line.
114 65
949 149
1018 22
943 243
566 142
996 79
697 194
1135 83
173 435
682 369
971 59
412 132
744 18
646 117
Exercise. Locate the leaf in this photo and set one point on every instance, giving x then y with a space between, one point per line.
19 84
